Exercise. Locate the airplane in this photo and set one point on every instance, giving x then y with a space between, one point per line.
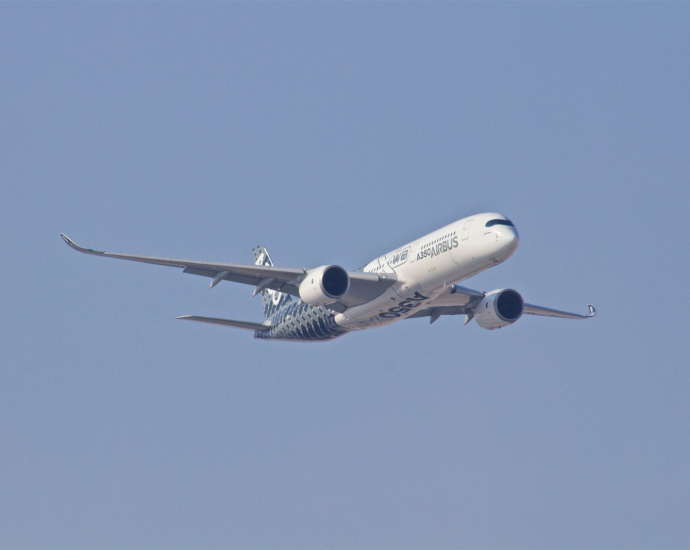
419 279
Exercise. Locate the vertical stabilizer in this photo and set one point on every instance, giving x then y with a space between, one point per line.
272 299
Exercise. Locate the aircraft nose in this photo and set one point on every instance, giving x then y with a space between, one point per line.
507 241
510 234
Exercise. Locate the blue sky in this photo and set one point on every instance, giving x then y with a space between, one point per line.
332 133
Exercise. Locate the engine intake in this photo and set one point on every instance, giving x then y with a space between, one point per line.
324 285
499 308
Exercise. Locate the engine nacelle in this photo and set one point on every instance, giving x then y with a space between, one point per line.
499 308
324 285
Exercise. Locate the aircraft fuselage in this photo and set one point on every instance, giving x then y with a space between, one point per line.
425 269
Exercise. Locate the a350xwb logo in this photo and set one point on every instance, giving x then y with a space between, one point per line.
399 257
404 307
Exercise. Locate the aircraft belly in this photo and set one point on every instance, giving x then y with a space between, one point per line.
398 302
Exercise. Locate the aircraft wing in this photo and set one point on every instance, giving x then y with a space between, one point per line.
548 312
462 301
364 287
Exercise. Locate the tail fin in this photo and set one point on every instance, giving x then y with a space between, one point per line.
272 299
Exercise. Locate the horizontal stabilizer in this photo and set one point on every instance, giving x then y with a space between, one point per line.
248 325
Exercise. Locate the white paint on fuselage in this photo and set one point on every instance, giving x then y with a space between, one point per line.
426 268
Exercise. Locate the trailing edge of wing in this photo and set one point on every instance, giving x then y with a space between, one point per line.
438 311
247 325
548 312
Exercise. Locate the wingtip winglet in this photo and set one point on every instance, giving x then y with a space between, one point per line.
78 248
72 244
592 311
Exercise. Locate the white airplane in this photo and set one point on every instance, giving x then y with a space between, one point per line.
416 280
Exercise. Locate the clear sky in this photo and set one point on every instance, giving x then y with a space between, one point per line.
332 133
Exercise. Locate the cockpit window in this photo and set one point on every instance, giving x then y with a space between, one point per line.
491 223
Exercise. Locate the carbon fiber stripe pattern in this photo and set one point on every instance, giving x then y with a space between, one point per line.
300 321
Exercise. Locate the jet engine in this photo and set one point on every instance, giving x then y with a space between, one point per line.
324 285
499 308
